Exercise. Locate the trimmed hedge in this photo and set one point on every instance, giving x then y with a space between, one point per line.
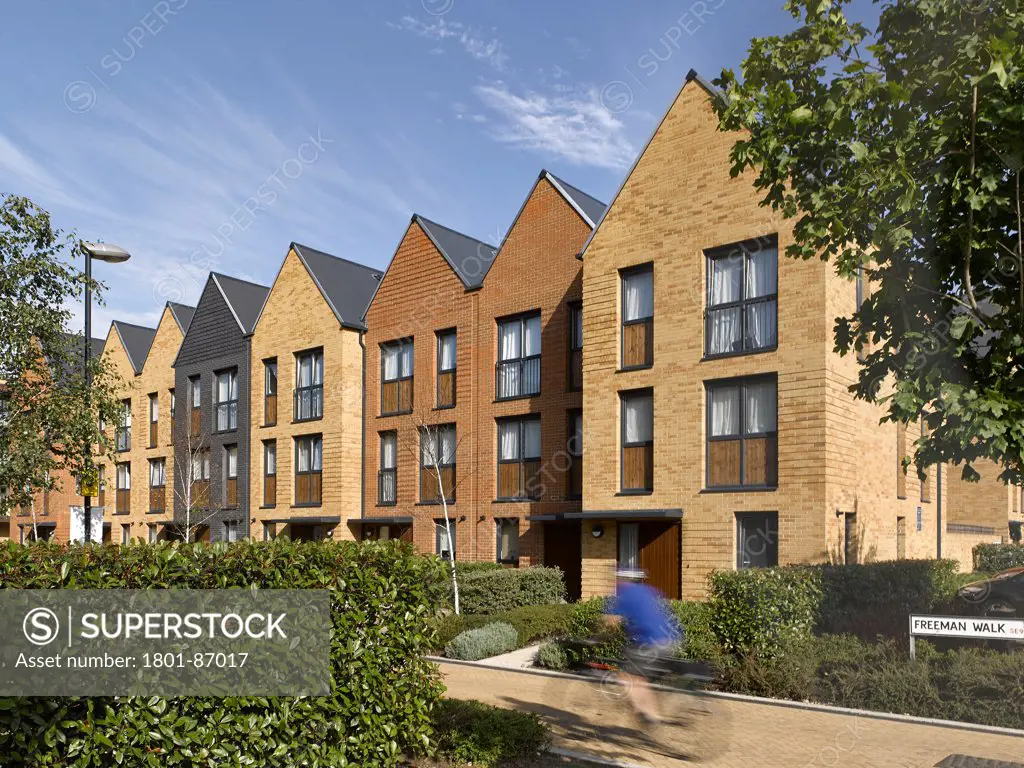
531 622
475 644
383 597
497 591
992 558
471 733
552 656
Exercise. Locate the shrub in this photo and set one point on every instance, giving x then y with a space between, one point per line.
552 656
531 622
695 620
496 591
447 627
753 611
469 732
992 558
382 600
462 568
474 644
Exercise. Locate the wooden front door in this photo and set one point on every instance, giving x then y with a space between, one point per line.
660 556
562 549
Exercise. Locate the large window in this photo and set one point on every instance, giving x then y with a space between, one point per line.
437 456
637 316
742 446
508 540
269 473
757 539
444 539
387 477
231 476
308 470
124 488
157 485
226 412
518 458
518 367
124 427
309 385
574 447
270 392
195 398
446 364
629 546
154 419
742 298
575 347
396 377
637 441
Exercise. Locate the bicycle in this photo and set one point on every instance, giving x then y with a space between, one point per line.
694 726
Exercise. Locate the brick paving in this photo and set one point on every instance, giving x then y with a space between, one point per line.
745 734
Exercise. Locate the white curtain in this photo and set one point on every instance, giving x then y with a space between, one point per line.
317 454
762 272
638 295
531 336
760 407
154 409
270 379
388 452
428 447
444 546
224 387
406 360
629 545
725 411
639 417
508 539
206 465
124 477
446 352
508 441
197 468
447 445
390 355
197 392
318 368
157 476
510 340
232 455
724 330
761 328
726 279
305 371
270 459
531 439
126 414
303 457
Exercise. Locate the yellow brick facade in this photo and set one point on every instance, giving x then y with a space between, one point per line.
296 318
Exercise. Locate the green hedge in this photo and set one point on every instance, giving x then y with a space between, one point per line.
383 598
501 590
992 558
475 644
531 622
471 733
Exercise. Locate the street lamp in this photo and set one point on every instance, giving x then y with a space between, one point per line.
112 254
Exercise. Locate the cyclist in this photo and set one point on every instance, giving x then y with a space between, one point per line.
651 635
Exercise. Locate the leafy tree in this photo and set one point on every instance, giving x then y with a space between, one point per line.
899 151
46 426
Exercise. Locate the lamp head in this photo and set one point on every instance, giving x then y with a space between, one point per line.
108 252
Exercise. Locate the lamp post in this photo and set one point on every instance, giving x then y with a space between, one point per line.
111 254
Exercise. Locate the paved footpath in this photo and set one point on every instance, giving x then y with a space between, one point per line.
757 735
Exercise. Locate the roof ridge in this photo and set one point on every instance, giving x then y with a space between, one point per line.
560 180
339 258
240 280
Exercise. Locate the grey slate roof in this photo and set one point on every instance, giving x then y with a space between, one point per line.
346 286
469 257
137 340
591 206
182 314
244 298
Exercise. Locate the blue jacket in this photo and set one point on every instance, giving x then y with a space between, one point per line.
643 612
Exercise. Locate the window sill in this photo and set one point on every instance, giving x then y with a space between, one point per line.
268 506
636 492
122 513
310 505
517 500
306 421
396 413
741 489
742 353
223 431
271 424
450 502
155 511
632 368
444 407
514 398
387 504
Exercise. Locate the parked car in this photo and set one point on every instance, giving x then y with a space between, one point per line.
1000 596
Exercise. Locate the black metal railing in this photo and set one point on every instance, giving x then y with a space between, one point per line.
517 378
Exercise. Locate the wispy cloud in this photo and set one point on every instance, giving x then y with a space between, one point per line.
572 125
475 42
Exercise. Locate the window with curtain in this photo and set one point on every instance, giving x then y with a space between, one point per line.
152 533
226 410
270 473
173 410
270 392
387 475
637 441
574 447
446 363
231 476
629 545
519 458
124 427
195 396
445 542
232 530
757 540
200 480
157 485
126 534
508 540
742 298
308 470
396 360
637 316
742 443
437 454
124 488
575 346
154 418
518 366
309 385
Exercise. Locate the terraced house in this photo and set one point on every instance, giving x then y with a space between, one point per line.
306 400
212 373
474 365
720 432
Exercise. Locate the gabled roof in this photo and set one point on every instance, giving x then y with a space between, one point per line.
590 208
182 314
346 286
244 299
74 346
136 340
691 77
468 257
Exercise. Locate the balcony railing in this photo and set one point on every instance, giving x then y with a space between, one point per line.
387 487
745 327
517 378
309 403
227 417
123 437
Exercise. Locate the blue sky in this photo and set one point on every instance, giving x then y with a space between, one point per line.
207 134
